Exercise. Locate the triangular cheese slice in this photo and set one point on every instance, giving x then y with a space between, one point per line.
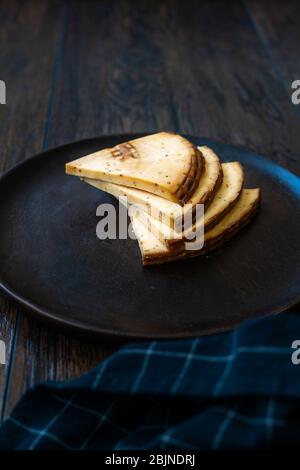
165 164
155 252
223 200
172 212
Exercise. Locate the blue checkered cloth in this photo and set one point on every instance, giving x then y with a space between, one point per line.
229 391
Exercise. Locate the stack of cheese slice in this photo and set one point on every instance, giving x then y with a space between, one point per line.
163 164
168 177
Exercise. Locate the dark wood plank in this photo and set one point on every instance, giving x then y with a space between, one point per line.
28 44
43 353
194 67
174 67
8 318
28 41
104 84
278 26
225 86
112 74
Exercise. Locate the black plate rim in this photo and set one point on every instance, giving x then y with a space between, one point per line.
80 327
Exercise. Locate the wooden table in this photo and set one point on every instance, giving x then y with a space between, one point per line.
81 69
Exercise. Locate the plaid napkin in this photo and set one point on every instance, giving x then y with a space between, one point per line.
234 390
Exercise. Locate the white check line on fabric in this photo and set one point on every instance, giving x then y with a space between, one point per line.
100 373
92 412
170 440
227 369
144 367
270 422
257 421
51 422
38 431
203 357
166 439
185 367
219 436
102 420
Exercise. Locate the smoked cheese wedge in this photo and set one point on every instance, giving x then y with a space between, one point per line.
224 199
164 164
169 212
155 252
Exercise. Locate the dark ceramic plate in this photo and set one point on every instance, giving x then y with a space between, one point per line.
52 262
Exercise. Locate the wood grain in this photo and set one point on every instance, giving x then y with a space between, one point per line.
225 87
111 79
28 44
43 353
278 29
214 88
8 319
76 70
40 353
